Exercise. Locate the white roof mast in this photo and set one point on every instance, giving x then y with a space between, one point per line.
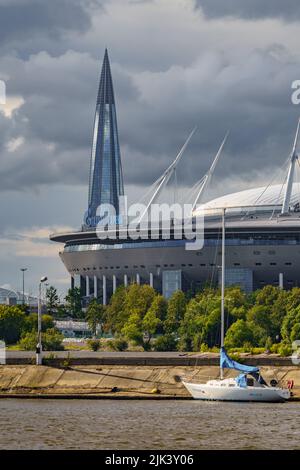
206 179
290 177
165 177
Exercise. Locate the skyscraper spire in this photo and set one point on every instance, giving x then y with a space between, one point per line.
106 179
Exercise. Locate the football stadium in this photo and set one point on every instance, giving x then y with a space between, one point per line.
262 227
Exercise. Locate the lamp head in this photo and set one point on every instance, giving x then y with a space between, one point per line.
44 279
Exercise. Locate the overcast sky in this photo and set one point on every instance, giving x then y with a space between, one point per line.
176 64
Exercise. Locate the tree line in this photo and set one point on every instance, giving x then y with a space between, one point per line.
267 319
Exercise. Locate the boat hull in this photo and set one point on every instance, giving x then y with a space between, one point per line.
256 394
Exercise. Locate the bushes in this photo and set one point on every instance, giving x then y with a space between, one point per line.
28 341
12 321
166 342
51 340
118 344
284 349
94 344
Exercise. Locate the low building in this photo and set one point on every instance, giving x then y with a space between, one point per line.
74 329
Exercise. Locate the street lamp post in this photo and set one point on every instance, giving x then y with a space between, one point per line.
39 343
23 276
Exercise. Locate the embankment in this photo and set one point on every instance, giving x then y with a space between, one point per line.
118 381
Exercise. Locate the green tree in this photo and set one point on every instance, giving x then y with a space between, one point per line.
132 329
289 325
12 321
138 299
175 312
95 315
116 315
238 334
236 303
73 302
61 311
145 310
150 325
267 295
201 321
275 301
31 322
295 332
52 300
159 307
260 316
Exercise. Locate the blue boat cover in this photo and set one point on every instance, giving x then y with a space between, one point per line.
241 380
227 363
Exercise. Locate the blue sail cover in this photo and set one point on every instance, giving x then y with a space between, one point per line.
227 363
241 380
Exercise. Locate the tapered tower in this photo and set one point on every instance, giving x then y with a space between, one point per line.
106 179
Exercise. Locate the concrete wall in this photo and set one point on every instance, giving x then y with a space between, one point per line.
131 381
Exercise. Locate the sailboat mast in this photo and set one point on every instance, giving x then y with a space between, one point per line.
222 285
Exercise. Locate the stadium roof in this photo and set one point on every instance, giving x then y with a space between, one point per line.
255 197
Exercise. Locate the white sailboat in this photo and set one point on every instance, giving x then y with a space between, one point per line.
240 388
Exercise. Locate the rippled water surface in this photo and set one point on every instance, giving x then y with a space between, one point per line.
138 424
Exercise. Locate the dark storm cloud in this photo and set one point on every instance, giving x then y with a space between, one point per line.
24 19
288 10
210 79
173 68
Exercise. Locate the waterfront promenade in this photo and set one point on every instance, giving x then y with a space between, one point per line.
141 358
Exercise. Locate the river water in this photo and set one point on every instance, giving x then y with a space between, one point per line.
139 424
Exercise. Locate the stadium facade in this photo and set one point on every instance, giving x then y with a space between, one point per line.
262 229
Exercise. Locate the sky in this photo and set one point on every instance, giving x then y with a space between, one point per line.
175 64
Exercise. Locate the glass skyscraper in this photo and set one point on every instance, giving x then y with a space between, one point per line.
106 179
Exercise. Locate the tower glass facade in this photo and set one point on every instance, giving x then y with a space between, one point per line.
106 179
